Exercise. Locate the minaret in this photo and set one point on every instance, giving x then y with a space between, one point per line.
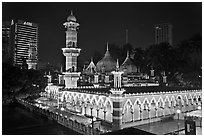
32 56
49 79
117 98
71 52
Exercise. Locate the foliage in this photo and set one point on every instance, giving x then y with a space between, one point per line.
21 82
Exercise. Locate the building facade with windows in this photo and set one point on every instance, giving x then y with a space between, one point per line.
22 33
163 33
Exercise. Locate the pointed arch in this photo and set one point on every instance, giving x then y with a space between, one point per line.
173 100
145 101
137 101
128 101
93 101
160 102
100 102
166 99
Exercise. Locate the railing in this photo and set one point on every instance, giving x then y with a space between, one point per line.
69 123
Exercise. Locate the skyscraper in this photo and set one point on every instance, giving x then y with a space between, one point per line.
23 33
6 43
163 33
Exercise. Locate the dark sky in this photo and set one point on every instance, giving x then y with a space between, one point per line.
102 22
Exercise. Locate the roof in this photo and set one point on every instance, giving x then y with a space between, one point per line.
197 113
91 67
150 89
71 17
128 66
107 62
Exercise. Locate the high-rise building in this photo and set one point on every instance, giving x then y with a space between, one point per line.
163 33
22 33
6 43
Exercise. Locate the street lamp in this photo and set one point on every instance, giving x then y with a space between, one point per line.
97 109
62 109
149 115
104 114
91 110
93 119
178 112
199 108
132 112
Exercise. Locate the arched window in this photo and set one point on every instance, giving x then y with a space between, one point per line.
160 104
146 105
153 104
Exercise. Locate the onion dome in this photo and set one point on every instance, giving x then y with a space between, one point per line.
128 66
107 63
71 17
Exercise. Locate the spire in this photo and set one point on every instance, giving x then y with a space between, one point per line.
107 47
128 54
61 70
91 59
126 40
49 72
71 12
117 65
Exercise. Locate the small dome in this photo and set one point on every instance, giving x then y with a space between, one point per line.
71 17
128 66
107 63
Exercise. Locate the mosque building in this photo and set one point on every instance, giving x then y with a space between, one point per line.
115 105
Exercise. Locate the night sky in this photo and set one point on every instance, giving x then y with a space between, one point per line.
102 22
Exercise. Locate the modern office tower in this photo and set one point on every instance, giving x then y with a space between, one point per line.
163 33
6 43
23 33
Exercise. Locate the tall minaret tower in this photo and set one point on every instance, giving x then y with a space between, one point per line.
117 98
71 52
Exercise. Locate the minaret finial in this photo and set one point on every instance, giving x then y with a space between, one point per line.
61 70
126 40
117 65
49 72
107 47
71 12
91 59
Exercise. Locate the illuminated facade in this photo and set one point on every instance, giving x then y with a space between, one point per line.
23 32
117 107
71 52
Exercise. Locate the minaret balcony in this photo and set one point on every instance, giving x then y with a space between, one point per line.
71 50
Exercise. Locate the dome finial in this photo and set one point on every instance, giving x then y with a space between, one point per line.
117 65
61 70
91 59
71 12
107 47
